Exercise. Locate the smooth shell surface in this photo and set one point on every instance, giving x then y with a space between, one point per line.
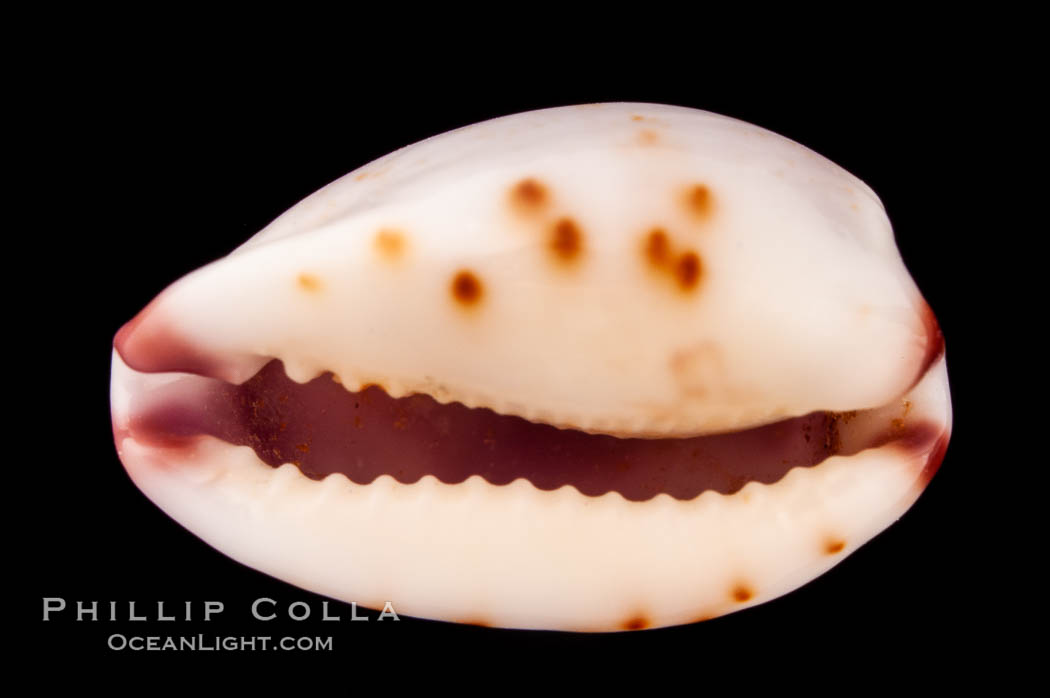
625 269
459 244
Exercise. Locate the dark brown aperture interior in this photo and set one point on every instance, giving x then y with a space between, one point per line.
323 428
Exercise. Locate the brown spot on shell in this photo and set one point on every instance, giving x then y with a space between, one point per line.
638 622
648 137
390 244
566 240
834 546
309 282
529 195
684 266
742 593
657 247
687 270
699 201
699 370
466 288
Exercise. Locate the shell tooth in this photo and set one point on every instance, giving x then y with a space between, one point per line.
302 370
677 291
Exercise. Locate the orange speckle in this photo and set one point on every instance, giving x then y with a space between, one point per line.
699 201
657 247
684 267
478 622
742 593
529 195
687 270
637 117
303 448
566 240
309 282
636 623
832 436
834 546
648 137
390 244
466 288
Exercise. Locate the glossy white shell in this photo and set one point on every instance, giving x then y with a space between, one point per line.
802 304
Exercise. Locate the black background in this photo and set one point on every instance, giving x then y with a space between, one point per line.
162 166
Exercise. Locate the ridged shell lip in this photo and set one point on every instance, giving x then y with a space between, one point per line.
323 428
738 549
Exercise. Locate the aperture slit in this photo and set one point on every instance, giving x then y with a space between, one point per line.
322 428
